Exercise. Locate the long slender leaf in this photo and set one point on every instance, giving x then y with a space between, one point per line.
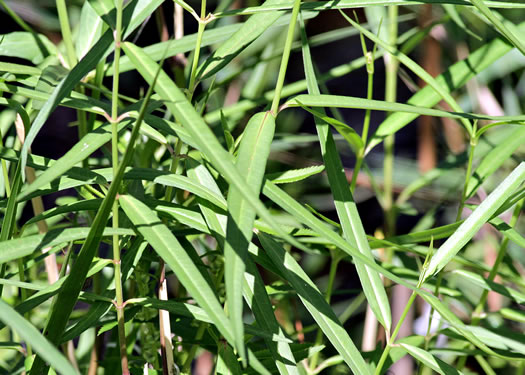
345 205
474 222
316 304
33 337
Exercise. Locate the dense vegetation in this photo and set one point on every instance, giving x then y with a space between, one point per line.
200 188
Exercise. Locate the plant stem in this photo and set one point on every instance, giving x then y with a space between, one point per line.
366 122
196 55
286 57
66 32
390 343
392 66
115 163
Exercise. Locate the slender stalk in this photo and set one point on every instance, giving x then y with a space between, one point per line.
391 341
5 171
115 163
366 122
392 66
286 57
196 55
16 18
66 32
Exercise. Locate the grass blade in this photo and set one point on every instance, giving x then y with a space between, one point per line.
431 361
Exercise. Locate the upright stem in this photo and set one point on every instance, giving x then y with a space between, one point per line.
286 57
66 32
392 66
196 55
115 163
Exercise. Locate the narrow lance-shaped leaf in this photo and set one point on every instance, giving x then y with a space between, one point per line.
63 305
431 361
34 338
452 79
249 31
345 205
170 250
251 163
254 289
202 135
315 303
474 222
134 14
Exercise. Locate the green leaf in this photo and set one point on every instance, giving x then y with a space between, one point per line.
344 202
495 158
430 360
335 101
169 249
134 14
315 303
33 337
294 175
414 67
28 46
24 246
253 153
248 32
349 134
206 141
89 30
474 222
452 79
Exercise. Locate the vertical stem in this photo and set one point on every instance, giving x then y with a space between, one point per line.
196 55
366 123
66 32
114 160
286 57
392 66
390 343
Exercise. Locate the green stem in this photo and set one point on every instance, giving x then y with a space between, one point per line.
366 124
5 171
286 57
115 163
391 341
66 32
392 66
196 55
16 18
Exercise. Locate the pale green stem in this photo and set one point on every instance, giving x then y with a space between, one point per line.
5 171
286 57
66 32
366 123
115 163
392 66
16 18
390 343
196 55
